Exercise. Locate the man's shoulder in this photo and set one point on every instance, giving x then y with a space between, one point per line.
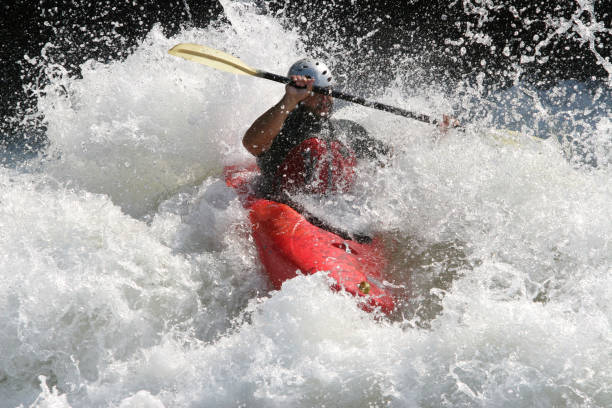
349 126
362 143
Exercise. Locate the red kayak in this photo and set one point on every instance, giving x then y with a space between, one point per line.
288 245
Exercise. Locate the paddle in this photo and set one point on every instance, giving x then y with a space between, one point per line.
228 63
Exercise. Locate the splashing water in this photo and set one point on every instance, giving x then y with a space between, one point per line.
129 277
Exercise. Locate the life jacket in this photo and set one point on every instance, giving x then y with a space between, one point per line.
317 166
307 156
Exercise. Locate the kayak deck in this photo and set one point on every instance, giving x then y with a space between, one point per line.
288 245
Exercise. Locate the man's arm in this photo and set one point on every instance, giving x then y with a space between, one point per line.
259 137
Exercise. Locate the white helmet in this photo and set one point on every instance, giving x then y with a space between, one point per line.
313 69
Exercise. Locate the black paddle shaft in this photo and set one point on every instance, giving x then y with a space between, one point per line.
354 99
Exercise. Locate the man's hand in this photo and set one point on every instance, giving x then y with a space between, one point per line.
447 122
294 95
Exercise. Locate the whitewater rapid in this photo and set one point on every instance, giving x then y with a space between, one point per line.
130 279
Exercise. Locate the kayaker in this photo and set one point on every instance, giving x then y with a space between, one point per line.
299 147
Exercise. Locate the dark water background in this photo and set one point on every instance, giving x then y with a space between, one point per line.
450 42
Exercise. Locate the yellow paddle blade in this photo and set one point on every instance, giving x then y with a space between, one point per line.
213 58
511 137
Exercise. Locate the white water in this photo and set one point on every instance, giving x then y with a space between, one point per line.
129 278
